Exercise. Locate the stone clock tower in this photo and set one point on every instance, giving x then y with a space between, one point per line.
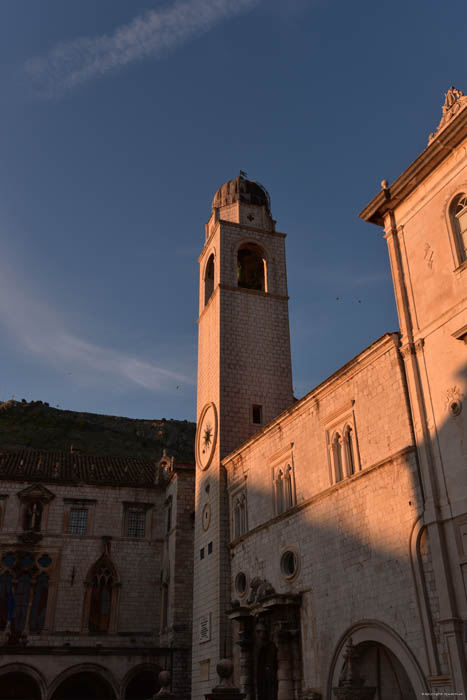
244 381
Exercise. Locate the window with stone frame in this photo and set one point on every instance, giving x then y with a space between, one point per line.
342 445
458 217
24 591
239 514
135 519
78 521
283 480
101 598
78 516
284 488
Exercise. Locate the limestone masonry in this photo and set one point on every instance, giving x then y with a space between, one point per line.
319 548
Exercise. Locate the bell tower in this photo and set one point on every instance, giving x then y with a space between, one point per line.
244 381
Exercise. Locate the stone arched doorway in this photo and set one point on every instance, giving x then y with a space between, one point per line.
381 659
381 669
85 685
18 686
143 683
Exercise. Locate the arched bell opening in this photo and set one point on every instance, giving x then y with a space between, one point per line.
251 267
209 279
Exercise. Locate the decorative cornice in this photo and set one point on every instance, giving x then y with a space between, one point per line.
256 292
453 131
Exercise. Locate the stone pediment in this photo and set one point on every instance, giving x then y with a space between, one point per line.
36 492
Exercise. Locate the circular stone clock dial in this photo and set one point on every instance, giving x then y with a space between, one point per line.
206 517
206 436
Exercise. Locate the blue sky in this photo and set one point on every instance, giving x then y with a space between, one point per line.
121 118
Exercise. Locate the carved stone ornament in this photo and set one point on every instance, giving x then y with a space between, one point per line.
259 589
428 256
454 398
407 350
454 101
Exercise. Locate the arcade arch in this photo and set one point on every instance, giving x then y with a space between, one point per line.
21 682
142 682
88 681
384 660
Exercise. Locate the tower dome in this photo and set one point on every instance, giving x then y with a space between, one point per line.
242 190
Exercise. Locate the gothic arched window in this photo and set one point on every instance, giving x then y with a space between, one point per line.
239 515
101 596
337 457
458 215
24 588
209 279
349 451
280 492
288 488
251 267
39 604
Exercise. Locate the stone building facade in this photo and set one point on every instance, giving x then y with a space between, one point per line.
331 532
95 575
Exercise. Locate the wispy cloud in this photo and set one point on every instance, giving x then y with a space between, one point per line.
41 331
72 63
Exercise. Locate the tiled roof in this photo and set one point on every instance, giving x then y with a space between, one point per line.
75 468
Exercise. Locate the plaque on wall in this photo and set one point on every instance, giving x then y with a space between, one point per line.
205 628
206 436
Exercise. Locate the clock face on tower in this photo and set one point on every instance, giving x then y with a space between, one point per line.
206 436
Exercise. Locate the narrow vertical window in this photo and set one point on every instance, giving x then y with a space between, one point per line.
236 518
102 595
257 414
165 606
349 452
39 604
22 594
169 518
101 598
288 488
6 587
337 455
280 492
209 279
459 223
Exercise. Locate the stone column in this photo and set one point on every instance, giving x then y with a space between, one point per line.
245 643
296 664
285 683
